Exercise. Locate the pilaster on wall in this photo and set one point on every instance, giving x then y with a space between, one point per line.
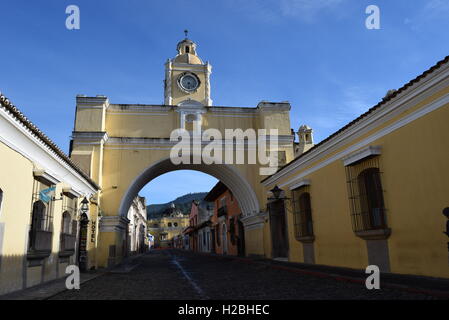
90 135
254 234
111 247
276 116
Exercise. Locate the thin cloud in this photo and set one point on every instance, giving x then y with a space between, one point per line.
438 7
277 10
307 10
431 11
352 102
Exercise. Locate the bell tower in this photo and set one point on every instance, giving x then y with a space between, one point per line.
187 78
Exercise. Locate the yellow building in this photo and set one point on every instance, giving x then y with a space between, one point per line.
123 147
373 192
44 224
164 229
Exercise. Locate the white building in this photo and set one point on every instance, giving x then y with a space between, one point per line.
137 227
205 212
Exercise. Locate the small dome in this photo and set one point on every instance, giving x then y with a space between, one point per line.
187 58
304 128
185 42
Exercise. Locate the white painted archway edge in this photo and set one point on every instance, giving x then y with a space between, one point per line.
227 174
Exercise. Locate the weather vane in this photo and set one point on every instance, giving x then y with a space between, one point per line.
186 32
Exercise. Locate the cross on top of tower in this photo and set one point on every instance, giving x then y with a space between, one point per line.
186 33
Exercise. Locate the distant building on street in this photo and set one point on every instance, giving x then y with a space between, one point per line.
167 227
199 226
228 236
137 240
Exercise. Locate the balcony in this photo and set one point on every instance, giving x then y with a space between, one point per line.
223 211
67 245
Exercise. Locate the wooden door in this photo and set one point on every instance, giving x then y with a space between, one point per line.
278 227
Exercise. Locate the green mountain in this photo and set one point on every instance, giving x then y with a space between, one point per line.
184 203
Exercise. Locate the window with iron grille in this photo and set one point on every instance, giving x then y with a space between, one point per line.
69 204
46 223
69 209
366 195
302 212
41 231
66 223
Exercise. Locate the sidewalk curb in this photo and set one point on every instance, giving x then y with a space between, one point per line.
102 272
81 283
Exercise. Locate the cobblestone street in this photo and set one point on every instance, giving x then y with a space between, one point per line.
175 275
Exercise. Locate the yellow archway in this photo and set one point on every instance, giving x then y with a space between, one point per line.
239 186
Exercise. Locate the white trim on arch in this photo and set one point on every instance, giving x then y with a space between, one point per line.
228 174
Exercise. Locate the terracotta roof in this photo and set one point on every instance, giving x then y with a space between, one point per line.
392 94
216 191
15 112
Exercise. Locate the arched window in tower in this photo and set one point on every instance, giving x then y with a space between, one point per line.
187 49
371 199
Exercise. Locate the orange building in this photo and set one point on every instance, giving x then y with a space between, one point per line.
228 233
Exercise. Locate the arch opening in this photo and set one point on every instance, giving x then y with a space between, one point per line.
239 186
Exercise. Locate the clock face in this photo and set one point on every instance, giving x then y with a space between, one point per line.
189 82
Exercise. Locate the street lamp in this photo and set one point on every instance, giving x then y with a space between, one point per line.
276 191
84 205
84 208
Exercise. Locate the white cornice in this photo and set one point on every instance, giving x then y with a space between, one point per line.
69 190
19 138
361 154
255 221
180 65
51 180
116 141
233 116
98 102
89 136
150 114
443 101
138 107
406 100
113 223
302 183
274 106
233 110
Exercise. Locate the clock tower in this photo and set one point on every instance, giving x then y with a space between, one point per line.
187 78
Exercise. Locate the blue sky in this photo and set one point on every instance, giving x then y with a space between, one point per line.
317 54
